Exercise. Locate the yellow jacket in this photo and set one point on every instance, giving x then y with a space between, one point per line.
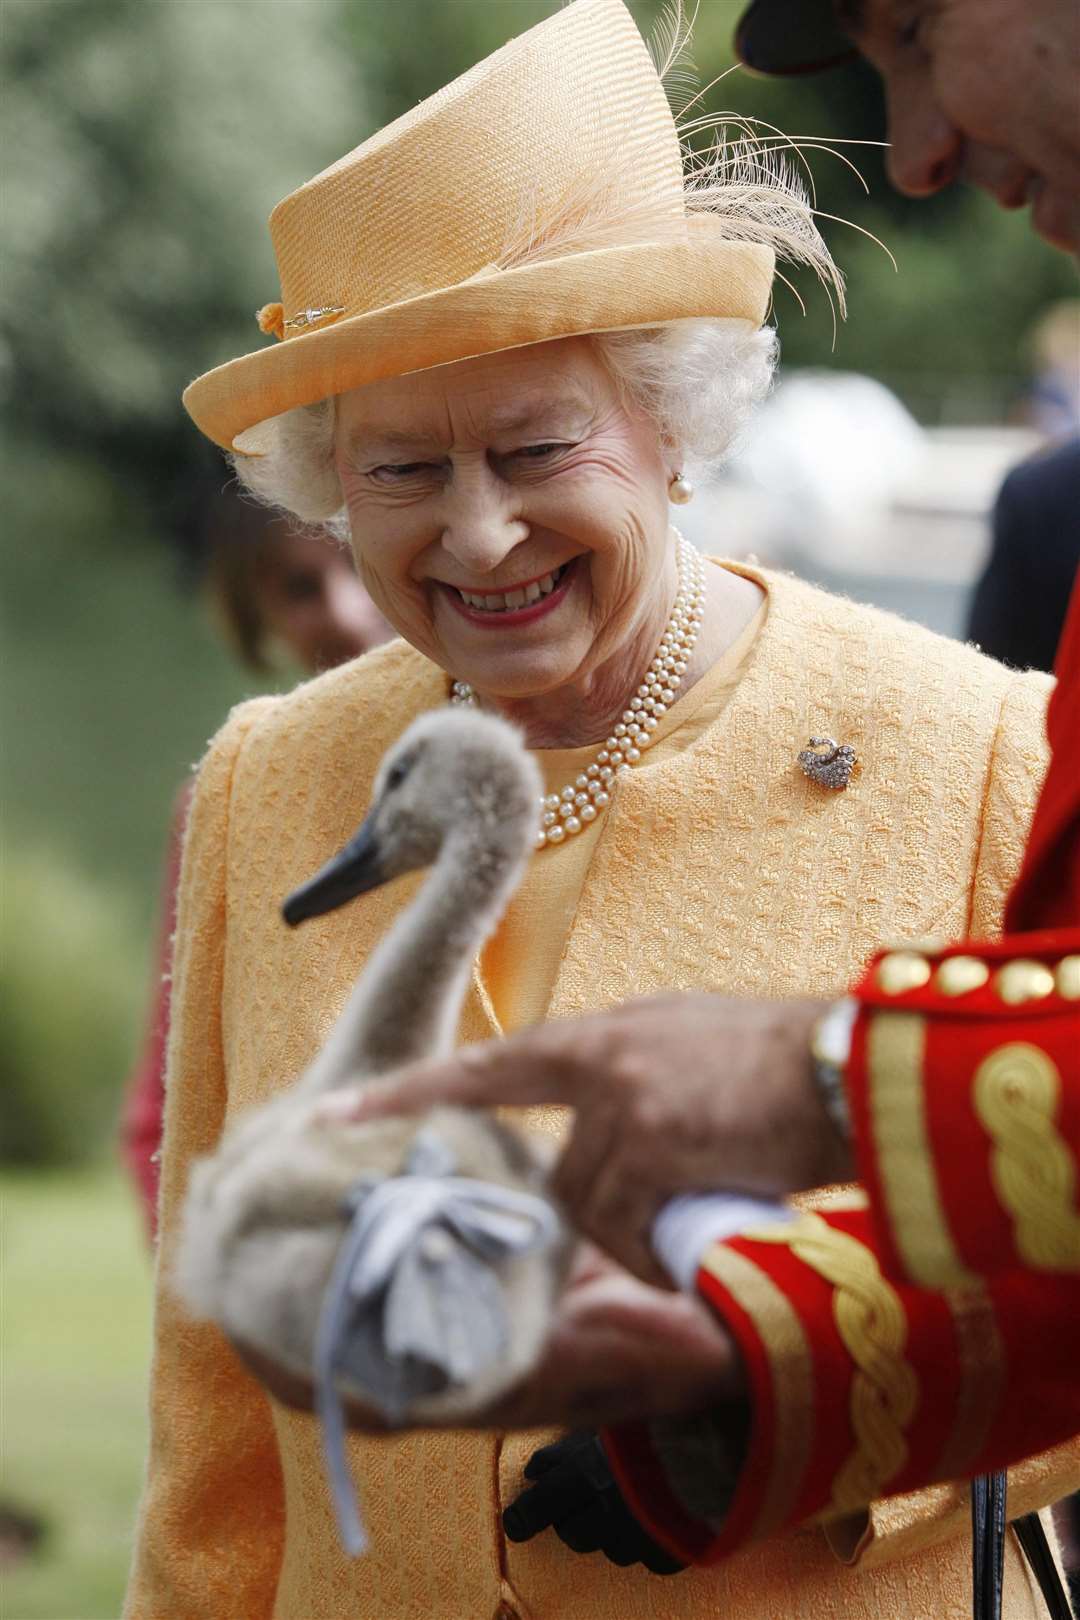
721 868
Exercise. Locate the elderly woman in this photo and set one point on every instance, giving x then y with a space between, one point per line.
506 328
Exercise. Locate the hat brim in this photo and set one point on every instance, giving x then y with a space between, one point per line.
605 289
786 38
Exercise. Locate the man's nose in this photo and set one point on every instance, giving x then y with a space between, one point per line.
482 520
925 148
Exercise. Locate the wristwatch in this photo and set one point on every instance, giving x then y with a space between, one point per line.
830 1048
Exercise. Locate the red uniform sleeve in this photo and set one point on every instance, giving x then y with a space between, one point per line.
861 1386
964 1086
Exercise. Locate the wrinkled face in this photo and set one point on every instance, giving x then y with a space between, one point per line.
982 91
509 514
309 596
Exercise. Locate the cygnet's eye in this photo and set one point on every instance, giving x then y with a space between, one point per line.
397 774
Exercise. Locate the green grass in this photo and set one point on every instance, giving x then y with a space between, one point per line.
75 1350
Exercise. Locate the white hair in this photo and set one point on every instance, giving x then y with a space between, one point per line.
698 380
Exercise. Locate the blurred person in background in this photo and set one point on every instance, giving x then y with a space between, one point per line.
1019 606
285 597
284 594
1020 603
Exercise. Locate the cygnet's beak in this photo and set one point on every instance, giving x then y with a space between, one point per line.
353 871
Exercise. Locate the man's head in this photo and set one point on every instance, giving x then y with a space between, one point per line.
980 91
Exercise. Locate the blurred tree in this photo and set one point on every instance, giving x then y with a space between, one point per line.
67 999
409 50
144 147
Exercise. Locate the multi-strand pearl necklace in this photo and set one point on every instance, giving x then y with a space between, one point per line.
564 814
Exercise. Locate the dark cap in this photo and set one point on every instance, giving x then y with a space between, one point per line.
788 37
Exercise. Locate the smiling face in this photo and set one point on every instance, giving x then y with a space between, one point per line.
510 518
982 91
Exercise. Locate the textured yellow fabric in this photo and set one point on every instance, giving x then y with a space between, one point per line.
723 868
521 960
475 222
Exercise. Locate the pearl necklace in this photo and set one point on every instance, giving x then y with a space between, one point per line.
563 815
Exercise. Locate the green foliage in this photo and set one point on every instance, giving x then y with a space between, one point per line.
75 1338
113 681
69 998
112 684
144 146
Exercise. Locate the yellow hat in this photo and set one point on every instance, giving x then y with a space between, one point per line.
538 196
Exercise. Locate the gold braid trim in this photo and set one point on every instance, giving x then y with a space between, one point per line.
792 1376
895 1058
873 1326
1016 1095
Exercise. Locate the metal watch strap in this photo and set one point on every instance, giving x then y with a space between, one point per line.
830 1046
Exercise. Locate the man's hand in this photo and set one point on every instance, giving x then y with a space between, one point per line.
618 1349
675 1093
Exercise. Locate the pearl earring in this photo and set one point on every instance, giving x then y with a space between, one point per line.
680 490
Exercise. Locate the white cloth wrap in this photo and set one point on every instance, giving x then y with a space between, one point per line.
414 1304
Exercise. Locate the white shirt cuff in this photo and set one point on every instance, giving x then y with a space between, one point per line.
689 1224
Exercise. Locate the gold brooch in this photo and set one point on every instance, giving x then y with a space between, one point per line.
833 767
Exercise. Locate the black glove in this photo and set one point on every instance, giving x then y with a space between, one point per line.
573 1491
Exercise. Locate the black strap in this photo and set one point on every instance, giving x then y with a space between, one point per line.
988 1494
1032 1538
987 1545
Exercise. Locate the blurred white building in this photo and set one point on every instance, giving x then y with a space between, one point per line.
837 481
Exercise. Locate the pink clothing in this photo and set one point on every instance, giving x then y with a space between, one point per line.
144 1100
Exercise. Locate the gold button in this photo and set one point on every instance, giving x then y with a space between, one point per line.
957 975
1022 981
902 970
1068 978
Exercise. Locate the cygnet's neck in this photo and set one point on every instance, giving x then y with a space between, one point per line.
408 999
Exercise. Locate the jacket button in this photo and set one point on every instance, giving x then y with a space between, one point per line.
958 975
902 970
1022 981
1068 978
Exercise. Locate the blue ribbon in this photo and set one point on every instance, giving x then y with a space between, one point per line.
414 1291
